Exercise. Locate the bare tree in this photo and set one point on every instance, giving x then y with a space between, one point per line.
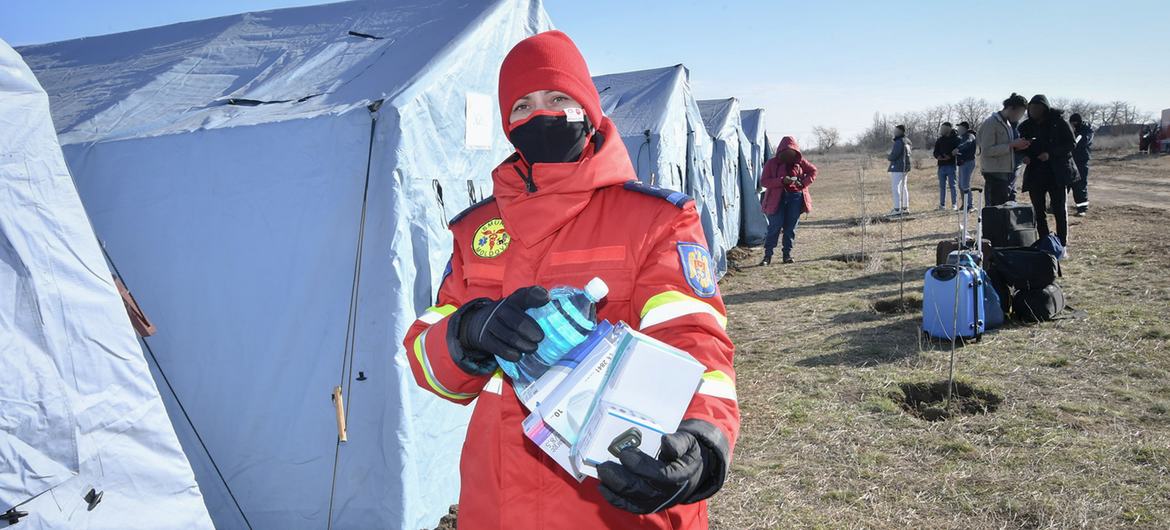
973 111
922 126
827 137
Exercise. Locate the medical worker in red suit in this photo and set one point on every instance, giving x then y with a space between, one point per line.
568 207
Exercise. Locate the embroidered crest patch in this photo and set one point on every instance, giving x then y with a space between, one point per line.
698 269
491 239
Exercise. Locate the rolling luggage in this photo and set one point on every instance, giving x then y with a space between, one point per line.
1038 305
953 302
946 247
993 306
953 296
1010 225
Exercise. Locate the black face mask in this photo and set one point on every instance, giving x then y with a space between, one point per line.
550 139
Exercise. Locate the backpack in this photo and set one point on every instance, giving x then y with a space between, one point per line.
1050 244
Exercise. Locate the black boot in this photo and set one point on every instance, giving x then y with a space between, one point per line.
788 258
767 260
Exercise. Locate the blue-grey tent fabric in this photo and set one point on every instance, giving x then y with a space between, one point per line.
663 131
275 188
754 224
78 406
728 162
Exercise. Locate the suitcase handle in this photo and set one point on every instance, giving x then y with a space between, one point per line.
965 220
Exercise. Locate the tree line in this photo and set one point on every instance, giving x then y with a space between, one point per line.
922 126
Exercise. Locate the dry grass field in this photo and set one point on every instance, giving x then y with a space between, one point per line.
1081 436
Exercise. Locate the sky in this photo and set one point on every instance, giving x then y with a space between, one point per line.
808 63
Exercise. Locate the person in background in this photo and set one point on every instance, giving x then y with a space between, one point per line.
785 178
1145 138
965 159
1083 133
899 158
1048 159
944 152
998 143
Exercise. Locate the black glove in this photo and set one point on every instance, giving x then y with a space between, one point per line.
485 328
691 466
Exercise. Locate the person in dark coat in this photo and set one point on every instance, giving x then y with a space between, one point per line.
944 152
1048 160
900 164
965 159
1081 154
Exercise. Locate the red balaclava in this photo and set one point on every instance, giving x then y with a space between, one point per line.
537 197
547 61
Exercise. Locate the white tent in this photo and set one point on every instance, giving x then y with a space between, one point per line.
663 131
755 225
275 188
729 161
79 411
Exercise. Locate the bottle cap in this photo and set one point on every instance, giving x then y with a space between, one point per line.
596 289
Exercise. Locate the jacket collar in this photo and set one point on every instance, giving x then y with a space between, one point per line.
562 190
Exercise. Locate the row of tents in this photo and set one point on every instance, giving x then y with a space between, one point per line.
270 192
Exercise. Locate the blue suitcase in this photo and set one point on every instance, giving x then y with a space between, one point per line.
953 297
953 302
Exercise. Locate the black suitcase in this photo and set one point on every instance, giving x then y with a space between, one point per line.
1010 225
1038 305
1025 268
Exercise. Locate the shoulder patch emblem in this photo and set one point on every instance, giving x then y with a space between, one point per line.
676 198
491 239
696 265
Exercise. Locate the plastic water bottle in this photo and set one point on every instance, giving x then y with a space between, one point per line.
567 319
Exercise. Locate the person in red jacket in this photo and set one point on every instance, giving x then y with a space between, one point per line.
567 207
785 179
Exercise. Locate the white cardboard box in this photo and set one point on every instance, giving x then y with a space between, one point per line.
649 386
653 378
566 408
606 425
551 443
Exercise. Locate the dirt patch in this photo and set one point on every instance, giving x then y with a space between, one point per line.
852 257
739 254
449 521
896 305
929 400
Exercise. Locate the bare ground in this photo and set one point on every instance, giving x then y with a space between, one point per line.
1081 437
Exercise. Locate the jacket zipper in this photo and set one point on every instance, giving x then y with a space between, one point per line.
529 183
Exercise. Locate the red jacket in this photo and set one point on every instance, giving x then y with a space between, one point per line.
583 221
773 182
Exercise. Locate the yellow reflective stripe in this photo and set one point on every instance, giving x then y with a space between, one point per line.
421 356
495 385
718 384
673 304
436 313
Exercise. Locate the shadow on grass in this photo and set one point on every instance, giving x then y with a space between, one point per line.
831 223
816 289
887 343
